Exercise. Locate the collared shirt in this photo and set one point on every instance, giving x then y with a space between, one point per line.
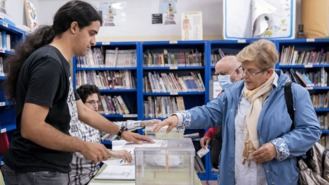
82 170
250 172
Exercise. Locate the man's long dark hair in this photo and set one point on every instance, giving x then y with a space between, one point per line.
81 12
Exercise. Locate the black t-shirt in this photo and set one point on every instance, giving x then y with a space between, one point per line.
43 80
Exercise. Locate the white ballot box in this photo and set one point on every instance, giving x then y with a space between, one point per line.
169 164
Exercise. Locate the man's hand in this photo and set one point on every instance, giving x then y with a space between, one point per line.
94 151
204 141
135 138
121 154
171 122
265 153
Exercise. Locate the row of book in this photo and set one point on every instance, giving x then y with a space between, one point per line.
309 78
173 82
120 58
113 105
113 58
324 121
106 79
5 41
289 55
173 57
320 100
161 107
216 55
182 57
2 67
324 140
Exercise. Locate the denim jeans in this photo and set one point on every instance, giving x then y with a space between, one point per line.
33 178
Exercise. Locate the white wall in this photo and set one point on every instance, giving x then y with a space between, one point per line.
15 10
138 22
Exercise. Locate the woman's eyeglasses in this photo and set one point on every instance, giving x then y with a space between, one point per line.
251 72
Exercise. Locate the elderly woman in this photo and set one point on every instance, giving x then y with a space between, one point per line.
259 146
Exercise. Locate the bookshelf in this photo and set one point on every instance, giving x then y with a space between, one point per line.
113 68
219 49
161 59
10 35
307 63
172 65
179 69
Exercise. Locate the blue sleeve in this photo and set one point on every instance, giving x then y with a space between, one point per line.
306 125
204 116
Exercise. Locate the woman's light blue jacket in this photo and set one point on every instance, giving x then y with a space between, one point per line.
274 122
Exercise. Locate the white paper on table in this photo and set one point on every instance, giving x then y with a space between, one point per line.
117 172
124 145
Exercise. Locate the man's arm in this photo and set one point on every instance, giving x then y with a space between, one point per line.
34 128
97 121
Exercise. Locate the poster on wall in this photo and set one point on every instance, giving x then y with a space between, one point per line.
3 6
112 12
157 18
30 15
259 19
3 13
191 25
168 10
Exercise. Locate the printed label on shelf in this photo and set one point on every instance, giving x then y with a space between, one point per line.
174 93
308 65
106 43
173 42
2 50
173 67
241 41
2 103
3 130
129 115
310 40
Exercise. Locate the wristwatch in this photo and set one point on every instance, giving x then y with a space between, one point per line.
122 129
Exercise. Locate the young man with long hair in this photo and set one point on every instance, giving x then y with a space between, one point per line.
39 83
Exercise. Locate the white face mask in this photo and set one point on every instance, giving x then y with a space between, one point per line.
224 80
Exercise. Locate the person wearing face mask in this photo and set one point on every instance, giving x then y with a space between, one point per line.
229 71
260 146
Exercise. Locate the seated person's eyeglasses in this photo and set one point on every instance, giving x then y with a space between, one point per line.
252 72
92 102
